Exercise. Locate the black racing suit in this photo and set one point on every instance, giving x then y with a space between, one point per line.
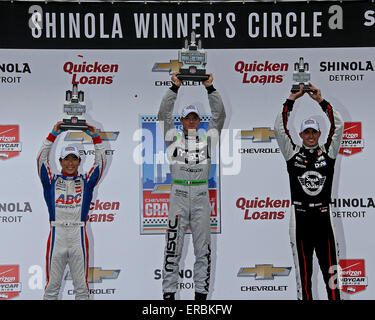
311 176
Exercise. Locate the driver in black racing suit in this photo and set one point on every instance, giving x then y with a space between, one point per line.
311 169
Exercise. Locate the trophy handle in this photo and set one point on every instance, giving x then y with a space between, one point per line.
81 96
68 95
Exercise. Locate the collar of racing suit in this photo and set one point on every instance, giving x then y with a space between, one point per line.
69 175
310 148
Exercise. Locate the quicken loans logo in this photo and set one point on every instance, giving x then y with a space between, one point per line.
95 72
261 72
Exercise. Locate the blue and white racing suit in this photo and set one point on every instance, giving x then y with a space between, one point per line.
68 200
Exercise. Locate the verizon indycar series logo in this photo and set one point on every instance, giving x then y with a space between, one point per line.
352 141
10 145
156 178
352 275
10 286
90 72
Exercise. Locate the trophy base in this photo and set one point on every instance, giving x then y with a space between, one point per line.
306 88
69 125
193 77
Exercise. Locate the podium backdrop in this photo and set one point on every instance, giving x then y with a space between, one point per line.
120 55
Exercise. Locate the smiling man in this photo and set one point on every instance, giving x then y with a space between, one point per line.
70 160
68 195
311 168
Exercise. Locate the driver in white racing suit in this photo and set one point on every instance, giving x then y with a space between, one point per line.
190 160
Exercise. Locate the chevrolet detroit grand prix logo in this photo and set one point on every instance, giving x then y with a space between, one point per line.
263 271
261 134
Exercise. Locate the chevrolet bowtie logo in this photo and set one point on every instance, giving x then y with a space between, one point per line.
172 66
264 271
82 136
96 275
262 134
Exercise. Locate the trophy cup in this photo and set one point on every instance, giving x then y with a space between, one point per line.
74 110
194 60
301 75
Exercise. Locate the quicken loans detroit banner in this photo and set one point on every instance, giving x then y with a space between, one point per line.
121 56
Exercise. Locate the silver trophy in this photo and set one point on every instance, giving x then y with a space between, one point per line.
301 75
74 110
194 60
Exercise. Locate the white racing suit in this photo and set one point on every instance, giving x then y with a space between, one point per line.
311 176
190 163
68 200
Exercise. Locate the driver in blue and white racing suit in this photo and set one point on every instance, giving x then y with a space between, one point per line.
68 195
